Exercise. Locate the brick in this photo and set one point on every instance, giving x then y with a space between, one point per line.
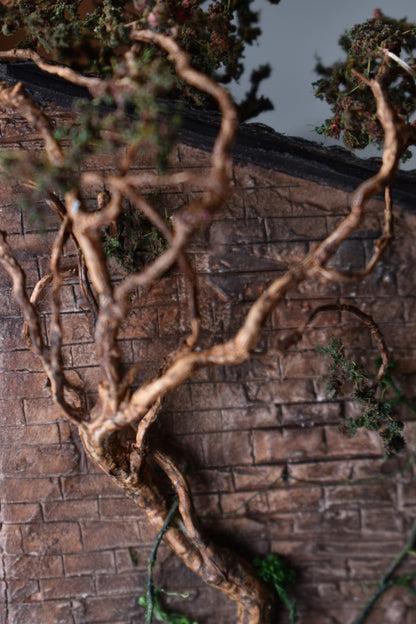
206 504
278 445
264 255
102 609
89 563
289 391
168 320
350 256
261 199
227 448
10 217
373 468
31 435
24 490
236 533
116 507
12 412
84 355
51 538
325 570
234 232
302 364
101 535
21 513
321 472
22 590
257 415
309 414
11 539
8 306
76 327
337 521
256 477
308 197
141 324
210 480
67 587
33 566
21 361
46 460
293 229
184 422
50 612
24 385
409 493
361 495
67 295
316 615
41 410
70 510
364 442
215 396
360 568
162 292
294 499
11 333
129 559
132 583
88 486
381 520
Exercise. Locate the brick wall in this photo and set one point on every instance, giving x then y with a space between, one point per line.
74 550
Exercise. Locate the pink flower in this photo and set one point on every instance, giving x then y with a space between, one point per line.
152 19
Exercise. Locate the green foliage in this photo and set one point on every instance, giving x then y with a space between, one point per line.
127 111
352 104
164 616
214 34
274 571
136 241
346 376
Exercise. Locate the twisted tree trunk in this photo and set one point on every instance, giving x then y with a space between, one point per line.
115 431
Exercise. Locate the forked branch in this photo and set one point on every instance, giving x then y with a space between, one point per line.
116 432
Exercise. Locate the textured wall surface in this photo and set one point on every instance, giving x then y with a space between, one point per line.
268 465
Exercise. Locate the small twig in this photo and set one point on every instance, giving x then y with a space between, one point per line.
400 62
152 560
94 84
17 98
364 318
380 246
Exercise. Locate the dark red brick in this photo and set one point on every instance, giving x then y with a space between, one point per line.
51 538
89 563
279 445
73 587
102 535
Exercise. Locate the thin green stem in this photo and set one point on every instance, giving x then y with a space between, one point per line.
386 581
152 560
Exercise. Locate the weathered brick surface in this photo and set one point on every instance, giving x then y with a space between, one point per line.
267 463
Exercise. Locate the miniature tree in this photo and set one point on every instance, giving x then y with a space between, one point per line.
125 116
366 45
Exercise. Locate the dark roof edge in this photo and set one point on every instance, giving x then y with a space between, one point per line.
255 144
329 166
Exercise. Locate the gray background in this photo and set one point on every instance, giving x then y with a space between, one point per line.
294 33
